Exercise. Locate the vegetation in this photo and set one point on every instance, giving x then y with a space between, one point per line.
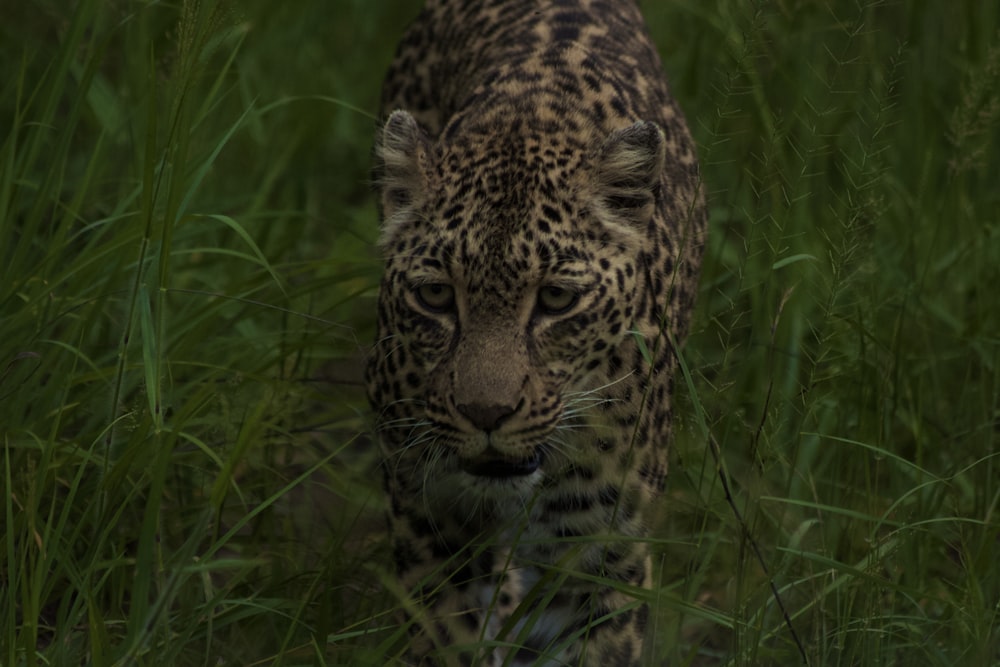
187 286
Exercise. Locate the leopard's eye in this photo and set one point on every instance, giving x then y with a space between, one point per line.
436 297
554 300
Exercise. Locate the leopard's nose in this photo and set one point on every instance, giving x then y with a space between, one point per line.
486 416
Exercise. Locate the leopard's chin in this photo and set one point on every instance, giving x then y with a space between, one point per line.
493 464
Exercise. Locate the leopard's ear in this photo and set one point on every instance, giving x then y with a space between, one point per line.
401 156
629 167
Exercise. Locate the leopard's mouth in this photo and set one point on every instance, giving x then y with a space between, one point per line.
493 464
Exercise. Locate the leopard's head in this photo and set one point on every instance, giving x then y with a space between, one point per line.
512 276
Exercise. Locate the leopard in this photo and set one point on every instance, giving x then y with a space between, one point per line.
541 227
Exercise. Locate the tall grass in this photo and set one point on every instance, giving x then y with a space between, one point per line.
184 276
845 357
186 287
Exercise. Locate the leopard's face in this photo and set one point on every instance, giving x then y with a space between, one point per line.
504 318
507 350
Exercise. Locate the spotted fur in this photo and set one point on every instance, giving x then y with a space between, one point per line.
542 227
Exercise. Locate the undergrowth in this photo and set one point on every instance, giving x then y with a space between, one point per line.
845 357
187 288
